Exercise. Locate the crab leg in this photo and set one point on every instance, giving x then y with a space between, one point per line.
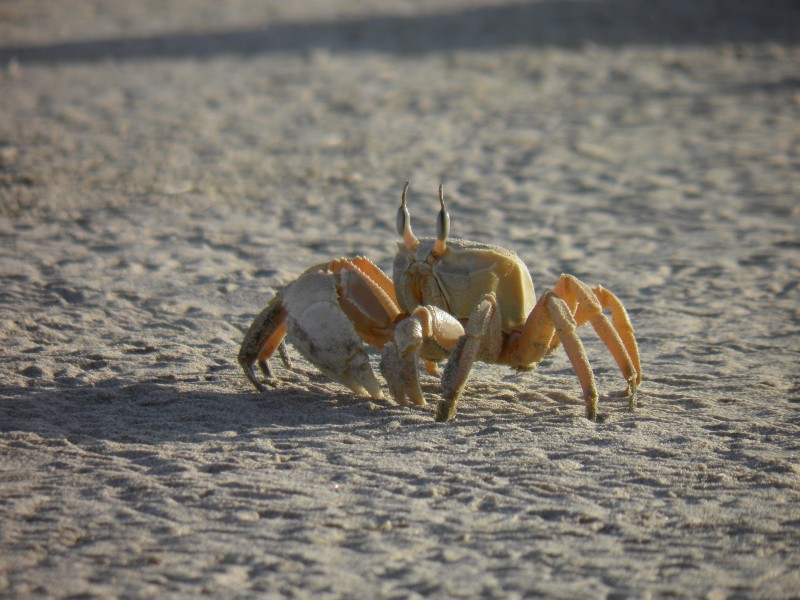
265 335
619 317
379 286
551 323
565 326
482 339
573 291
537 338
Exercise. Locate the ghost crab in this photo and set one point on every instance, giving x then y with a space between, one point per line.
451 299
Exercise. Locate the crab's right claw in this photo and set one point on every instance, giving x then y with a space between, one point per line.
322 332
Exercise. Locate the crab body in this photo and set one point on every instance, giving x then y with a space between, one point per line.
450 299
457 280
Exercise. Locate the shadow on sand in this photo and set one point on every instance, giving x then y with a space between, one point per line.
559 23
126 412
154 412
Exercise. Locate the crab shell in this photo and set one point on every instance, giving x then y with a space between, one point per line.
458 280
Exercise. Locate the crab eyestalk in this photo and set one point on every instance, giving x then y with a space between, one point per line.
404 224
442 227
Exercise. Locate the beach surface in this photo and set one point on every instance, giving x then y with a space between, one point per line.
166 167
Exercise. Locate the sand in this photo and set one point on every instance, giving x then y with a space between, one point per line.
166 167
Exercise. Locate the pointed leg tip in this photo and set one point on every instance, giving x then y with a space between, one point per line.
445 411
261 386
633 393
250 373
272 382
285 357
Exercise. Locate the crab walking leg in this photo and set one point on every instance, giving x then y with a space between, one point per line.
482 339
619 317
262 339
426 325
565 327
378 280
283 351
537 338
589 309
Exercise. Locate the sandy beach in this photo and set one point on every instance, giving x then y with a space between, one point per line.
166 167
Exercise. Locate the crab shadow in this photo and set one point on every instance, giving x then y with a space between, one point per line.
156 412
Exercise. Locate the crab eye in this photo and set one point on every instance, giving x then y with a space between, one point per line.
442 226
403 216
404 223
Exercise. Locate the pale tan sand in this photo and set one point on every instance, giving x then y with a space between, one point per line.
164 167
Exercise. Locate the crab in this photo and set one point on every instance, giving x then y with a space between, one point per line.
448 299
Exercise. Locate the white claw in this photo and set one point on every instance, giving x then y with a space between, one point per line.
402 375
323 334
408 337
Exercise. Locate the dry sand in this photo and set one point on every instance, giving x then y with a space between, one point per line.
164 167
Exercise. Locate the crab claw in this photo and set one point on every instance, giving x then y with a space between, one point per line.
399 363
429 332
325 336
